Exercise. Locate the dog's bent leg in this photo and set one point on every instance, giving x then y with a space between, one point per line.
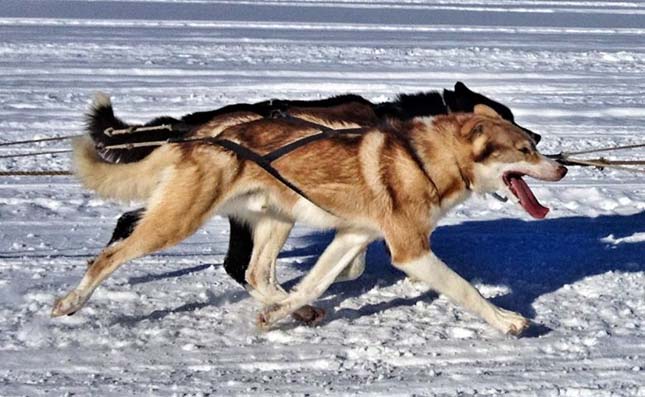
430 269
176 210
340 252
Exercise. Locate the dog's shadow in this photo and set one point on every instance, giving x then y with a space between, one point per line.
531 258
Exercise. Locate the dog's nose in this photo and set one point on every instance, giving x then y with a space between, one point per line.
562 171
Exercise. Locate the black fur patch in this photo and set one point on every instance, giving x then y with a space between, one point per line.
317 103
407 107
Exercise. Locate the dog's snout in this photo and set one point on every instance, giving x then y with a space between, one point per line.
562 171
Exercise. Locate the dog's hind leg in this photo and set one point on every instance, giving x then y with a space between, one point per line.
124 227
177 209
340 252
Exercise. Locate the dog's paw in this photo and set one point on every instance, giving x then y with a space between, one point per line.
69 304
511 323
309 315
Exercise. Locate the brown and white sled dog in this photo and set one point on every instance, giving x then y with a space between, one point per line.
342 111
391 182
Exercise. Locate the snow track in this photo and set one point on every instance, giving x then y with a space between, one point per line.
174 323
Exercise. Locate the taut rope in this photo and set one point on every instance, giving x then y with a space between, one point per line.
35 173
566 159
57 138
9 156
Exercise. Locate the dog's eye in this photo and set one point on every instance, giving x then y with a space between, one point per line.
525 150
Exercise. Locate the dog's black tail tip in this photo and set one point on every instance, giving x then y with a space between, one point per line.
101 117
98 119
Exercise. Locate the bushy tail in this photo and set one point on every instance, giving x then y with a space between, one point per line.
122 182
121 174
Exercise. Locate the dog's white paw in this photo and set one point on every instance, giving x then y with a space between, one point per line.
510 322
69 304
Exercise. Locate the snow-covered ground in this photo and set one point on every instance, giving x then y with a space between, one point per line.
174 323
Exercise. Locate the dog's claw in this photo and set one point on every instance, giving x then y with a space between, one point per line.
308 315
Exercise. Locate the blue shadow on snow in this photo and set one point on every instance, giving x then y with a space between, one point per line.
532 258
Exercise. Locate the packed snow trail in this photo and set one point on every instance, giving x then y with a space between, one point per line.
174 323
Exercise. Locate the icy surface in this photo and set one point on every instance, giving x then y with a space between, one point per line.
174 323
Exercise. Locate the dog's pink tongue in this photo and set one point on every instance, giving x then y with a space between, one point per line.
527 198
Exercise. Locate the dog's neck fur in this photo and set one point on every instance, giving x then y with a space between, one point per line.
436 141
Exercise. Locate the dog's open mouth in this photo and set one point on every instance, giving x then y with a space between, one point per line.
522 191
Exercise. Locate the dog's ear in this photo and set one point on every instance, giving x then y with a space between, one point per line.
472 129
461 89
460 100
487 111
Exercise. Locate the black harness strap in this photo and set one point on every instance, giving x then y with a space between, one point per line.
325 134
265 164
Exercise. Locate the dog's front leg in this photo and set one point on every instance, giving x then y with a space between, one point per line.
340 252
432 270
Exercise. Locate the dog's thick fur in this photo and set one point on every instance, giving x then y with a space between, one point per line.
337 112
391 182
